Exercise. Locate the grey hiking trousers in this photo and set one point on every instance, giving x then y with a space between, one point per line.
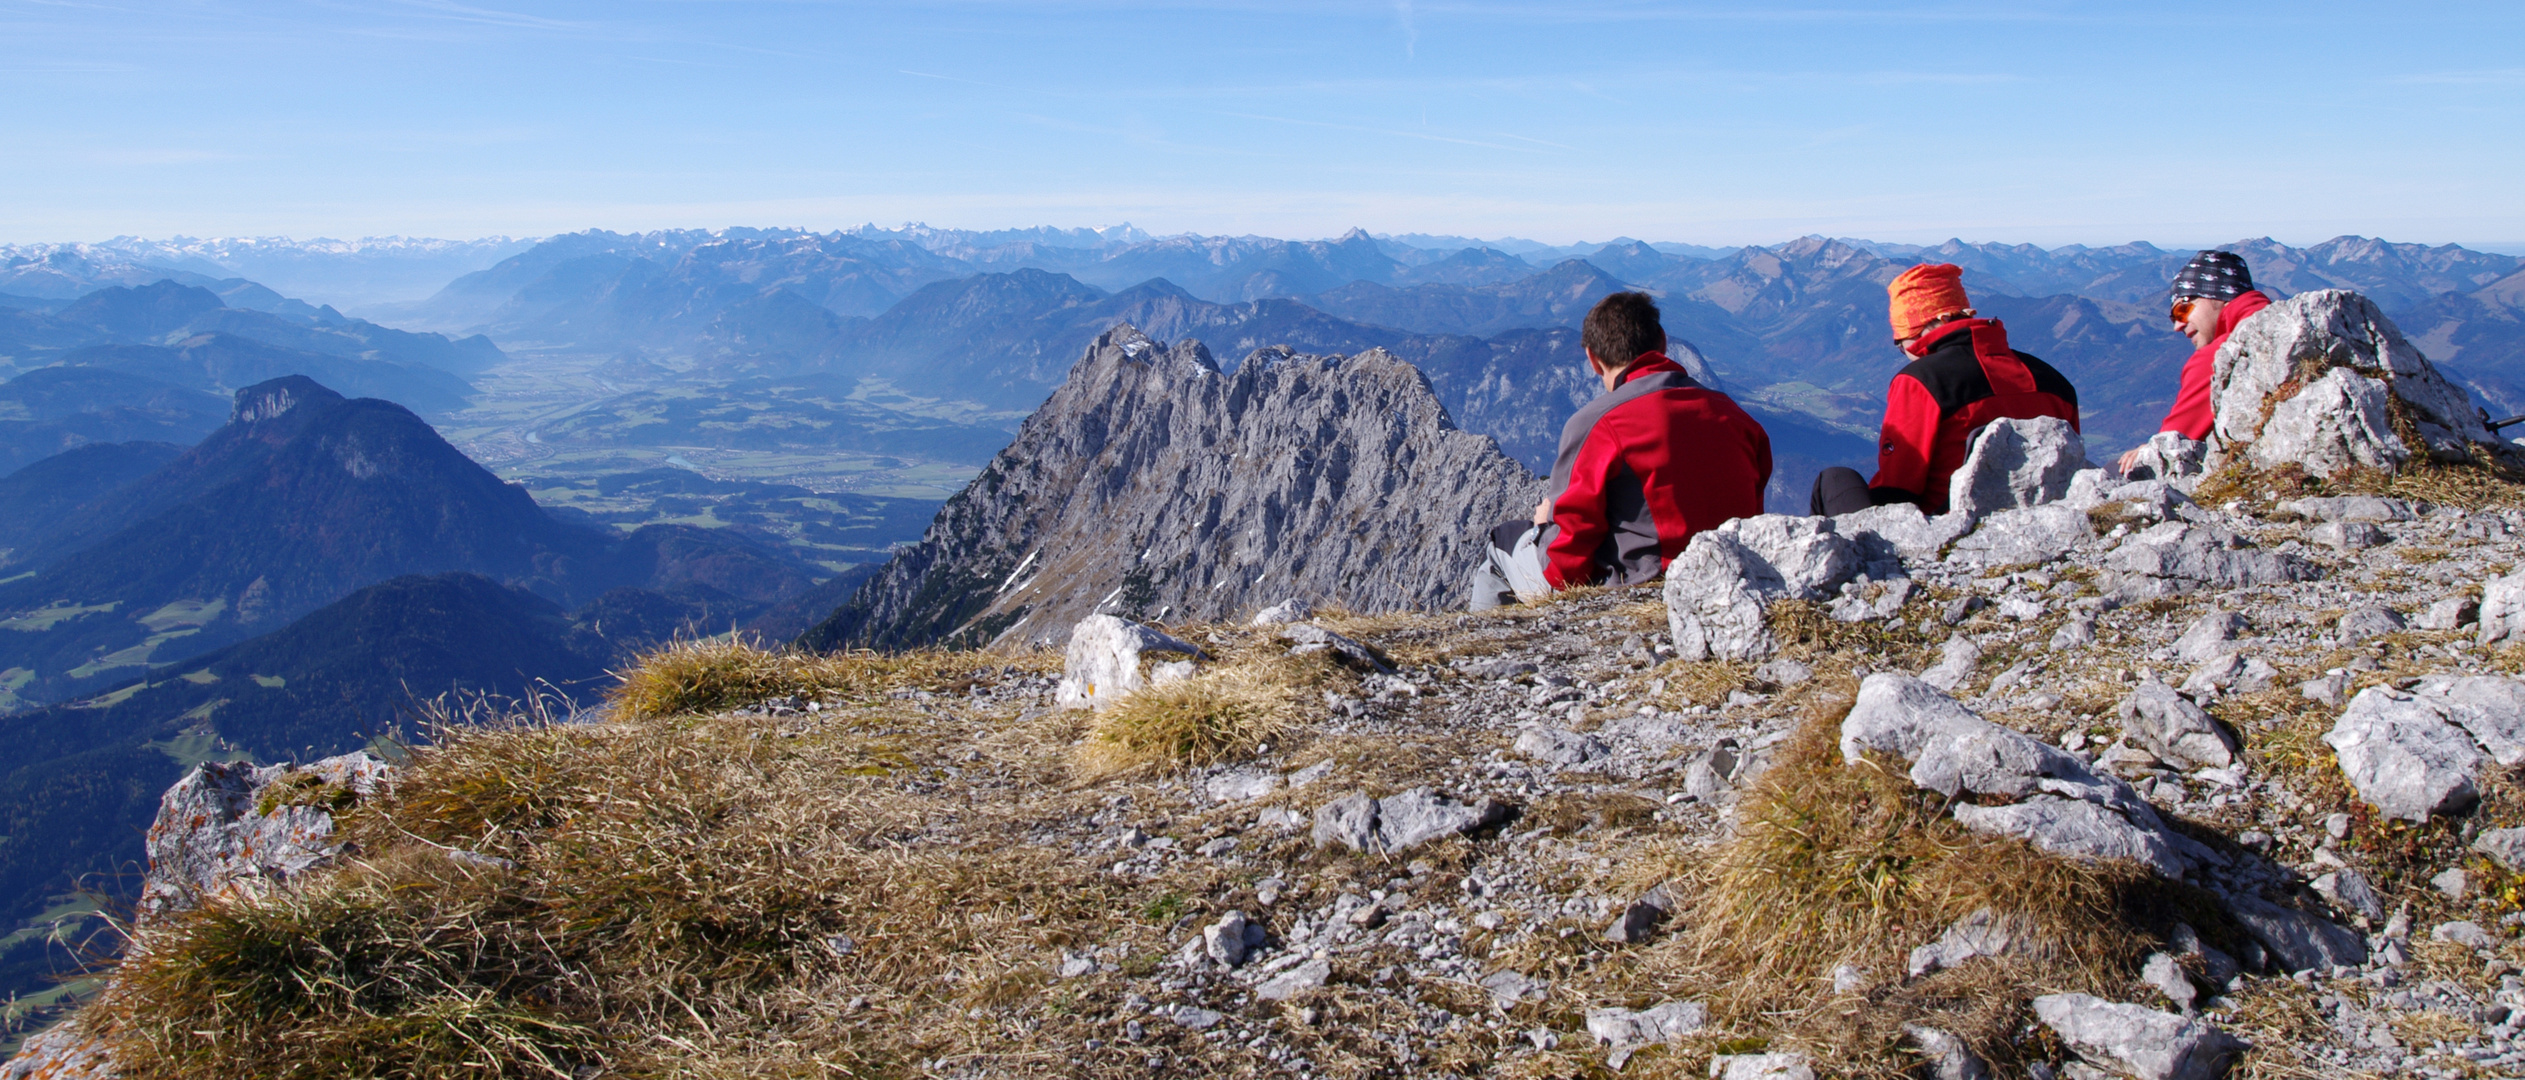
1511 569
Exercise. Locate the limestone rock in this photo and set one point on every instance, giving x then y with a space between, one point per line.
2209 636
2077 828
1718 590
1665 1023
2403 755
1152 485
2271 411
64 1051
2168 456
2296 940
2181 555
1717 593
2502 610
2026 536
1103 660
2137 1041
2504 846
1948 1057
238 828
1400 822
1901 529
2175 729
1984 933
1560 746
2016 463
1778 1065
2065 808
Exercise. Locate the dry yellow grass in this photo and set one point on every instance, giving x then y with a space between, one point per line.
1221 712
708 676
1834 864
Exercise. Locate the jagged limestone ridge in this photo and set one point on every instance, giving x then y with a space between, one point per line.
1151 484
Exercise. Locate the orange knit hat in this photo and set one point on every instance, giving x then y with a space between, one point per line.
1923 293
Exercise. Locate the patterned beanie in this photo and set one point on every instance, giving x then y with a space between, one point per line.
1923 293
2213 275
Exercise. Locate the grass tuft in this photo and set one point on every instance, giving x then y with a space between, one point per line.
1852 864
1221 713
692 677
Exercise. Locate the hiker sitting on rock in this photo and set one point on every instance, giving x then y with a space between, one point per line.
1964 377
2212 294
1654 459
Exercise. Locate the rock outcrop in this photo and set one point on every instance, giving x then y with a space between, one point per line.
2324 381
1153 486
228 829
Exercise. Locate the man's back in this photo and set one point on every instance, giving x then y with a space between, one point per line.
1645 466
1968 378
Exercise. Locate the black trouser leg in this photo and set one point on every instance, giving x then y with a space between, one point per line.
1505 536
1840 490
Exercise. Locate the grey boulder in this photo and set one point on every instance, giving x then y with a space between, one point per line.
2016 463
2404 757
2137 1041
1984 933
2200 555
2296 940
2025 536
2168 456
2502 610
2064 807
2272 411
2176 730
1718 591
1400 822
1102 662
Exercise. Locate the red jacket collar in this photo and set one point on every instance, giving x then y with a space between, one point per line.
1647 363
1930 340
2237 310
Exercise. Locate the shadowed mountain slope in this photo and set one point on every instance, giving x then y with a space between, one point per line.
37 498
303 497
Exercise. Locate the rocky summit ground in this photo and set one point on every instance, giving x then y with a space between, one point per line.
1525 843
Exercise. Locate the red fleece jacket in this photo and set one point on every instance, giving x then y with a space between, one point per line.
2191 413
1645 466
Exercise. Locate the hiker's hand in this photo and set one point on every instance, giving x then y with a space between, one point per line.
1543 512
2128 456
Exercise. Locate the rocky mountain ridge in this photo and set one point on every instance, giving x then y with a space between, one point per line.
1154 484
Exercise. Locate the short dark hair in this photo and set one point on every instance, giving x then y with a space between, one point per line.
1621 327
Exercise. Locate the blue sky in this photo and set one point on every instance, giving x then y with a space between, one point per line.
1715 123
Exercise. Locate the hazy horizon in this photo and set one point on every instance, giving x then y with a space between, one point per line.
1723 123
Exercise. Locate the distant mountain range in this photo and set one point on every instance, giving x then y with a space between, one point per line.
349 274
1797 327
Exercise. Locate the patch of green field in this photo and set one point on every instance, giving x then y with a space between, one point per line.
269 682
134 656
199 678
116 698
184 613
52 615
198 745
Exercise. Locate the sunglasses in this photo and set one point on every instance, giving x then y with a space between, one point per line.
2183 310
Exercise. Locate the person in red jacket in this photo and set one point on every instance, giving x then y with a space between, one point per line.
2212 293
1651 461
1964 376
